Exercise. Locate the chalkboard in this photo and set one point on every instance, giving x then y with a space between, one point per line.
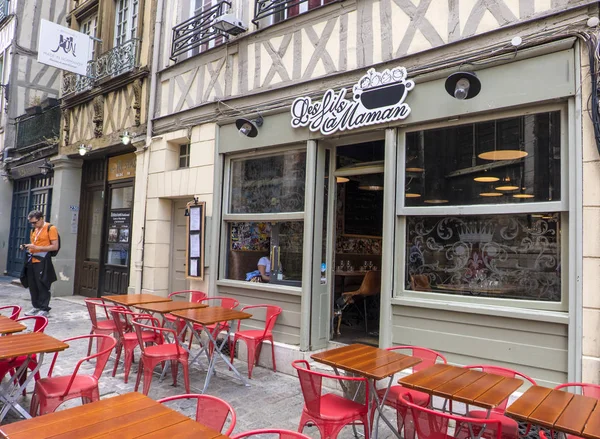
363 211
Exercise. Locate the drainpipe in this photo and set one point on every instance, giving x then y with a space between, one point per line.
139 262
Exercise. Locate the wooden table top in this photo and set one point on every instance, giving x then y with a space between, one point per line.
558 410
166 307
135 299
350 273
368 361
8 326
211 315
131 415
30 343
469 386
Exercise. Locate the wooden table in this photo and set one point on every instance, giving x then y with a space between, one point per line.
167 307
212 315
27 345
373 363
9 326
559 411
468 386
131 415
135 299
345 274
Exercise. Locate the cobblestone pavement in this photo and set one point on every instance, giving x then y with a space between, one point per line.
272 400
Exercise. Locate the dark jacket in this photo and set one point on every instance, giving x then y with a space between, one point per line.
48 275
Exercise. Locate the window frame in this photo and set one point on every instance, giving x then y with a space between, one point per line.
227 217
92 31
562 207
185 156
130 20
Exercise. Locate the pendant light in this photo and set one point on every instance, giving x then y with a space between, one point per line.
507 185
504 153
372 182
486 179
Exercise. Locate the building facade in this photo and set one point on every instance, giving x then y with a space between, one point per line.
103 122
476 217
29 123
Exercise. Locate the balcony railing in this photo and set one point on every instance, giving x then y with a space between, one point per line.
115 62
38 129
3 9
198 30
283 9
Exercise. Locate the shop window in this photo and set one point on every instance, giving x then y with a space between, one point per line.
262 189
184 156
489 169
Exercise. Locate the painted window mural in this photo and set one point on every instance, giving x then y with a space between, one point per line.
510 256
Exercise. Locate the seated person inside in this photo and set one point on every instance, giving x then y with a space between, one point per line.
263 274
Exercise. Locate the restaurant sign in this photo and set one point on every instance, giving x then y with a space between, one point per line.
377 98
121 166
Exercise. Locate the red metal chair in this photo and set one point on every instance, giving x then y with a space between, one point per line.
508 425
329 412
159 352
100 326
433 424
210 411
127 339
254 338
11 366
224 302
278 432
543 435
591 390
13 311
393 399
51 392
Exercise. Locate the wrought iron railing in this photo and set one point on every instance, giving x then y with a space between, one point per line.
198 30
115 62
38 129
3 9
283 9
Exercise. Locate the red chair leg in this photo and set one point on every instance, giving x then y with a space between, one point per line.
174 370
273 355
118 350
186 375
139 374
128 361
251 356
148 370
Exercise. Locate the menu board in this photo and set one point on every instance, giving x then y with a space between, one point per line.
196 220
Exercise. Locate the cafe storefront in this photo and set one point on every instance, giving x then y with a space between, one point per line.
391 212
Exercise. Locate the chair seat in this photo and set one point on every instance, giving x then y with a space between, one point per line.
336 408
164 350
106 324
510 427
393 397
146 336
54 387
252 334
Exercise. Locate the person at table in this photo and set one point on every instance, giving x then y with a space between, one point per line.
263 274
38 272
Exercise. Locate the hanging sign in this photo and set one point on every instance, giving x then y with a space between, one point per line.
64 48
121 166
378 97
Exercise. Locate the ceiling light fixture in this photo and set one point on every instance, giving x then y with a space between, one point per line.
342 179
84 149
503 153
412 195
491 194
523 196
126 137
414 169
249 128
435 201
486 179
507 186
463 85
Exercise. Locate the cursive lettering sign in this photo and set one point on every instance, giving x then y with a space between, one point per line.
377 98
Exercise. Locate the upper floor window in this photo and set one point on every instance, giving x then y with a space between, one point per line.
184 156
268 12
89 27
126 21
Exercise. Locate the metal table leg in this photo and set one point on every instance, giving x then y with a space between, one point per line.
11 392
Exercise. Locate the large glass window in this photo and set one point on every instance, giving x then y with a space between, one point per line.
482 249
262 189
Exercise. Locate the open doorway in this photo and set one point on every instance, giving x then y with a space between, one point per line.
358 239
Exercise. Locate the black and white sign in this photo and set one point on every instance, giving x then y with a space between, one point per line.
64 48
378 97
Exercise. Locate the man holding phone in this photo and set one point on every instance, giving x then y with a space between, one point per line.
39 271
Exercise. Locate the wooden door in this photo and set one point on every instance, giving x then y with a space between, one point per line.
177 281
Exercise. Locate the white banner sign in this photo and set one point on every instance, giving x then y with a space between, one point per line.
64 48
377 98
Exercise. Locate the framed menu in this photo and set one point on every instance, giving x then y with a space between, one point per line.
194 253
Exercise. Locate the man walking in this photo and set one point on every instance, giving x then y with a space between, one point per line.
39 269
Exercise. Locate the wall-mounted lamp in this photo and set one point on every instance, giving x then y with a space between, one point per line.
84 149
126 137
248 127
46 167
229 24
463 85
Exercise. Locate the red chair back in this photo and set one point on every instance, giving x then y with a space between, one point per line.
39 322
510 373
92 305
145 322
120 316
311 385
276 432
194 295
432 424
429 357
13 311
591 390
210 411
224 302
271 314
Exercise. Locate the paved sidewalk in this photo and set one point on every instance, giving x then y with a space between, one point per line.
272 400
